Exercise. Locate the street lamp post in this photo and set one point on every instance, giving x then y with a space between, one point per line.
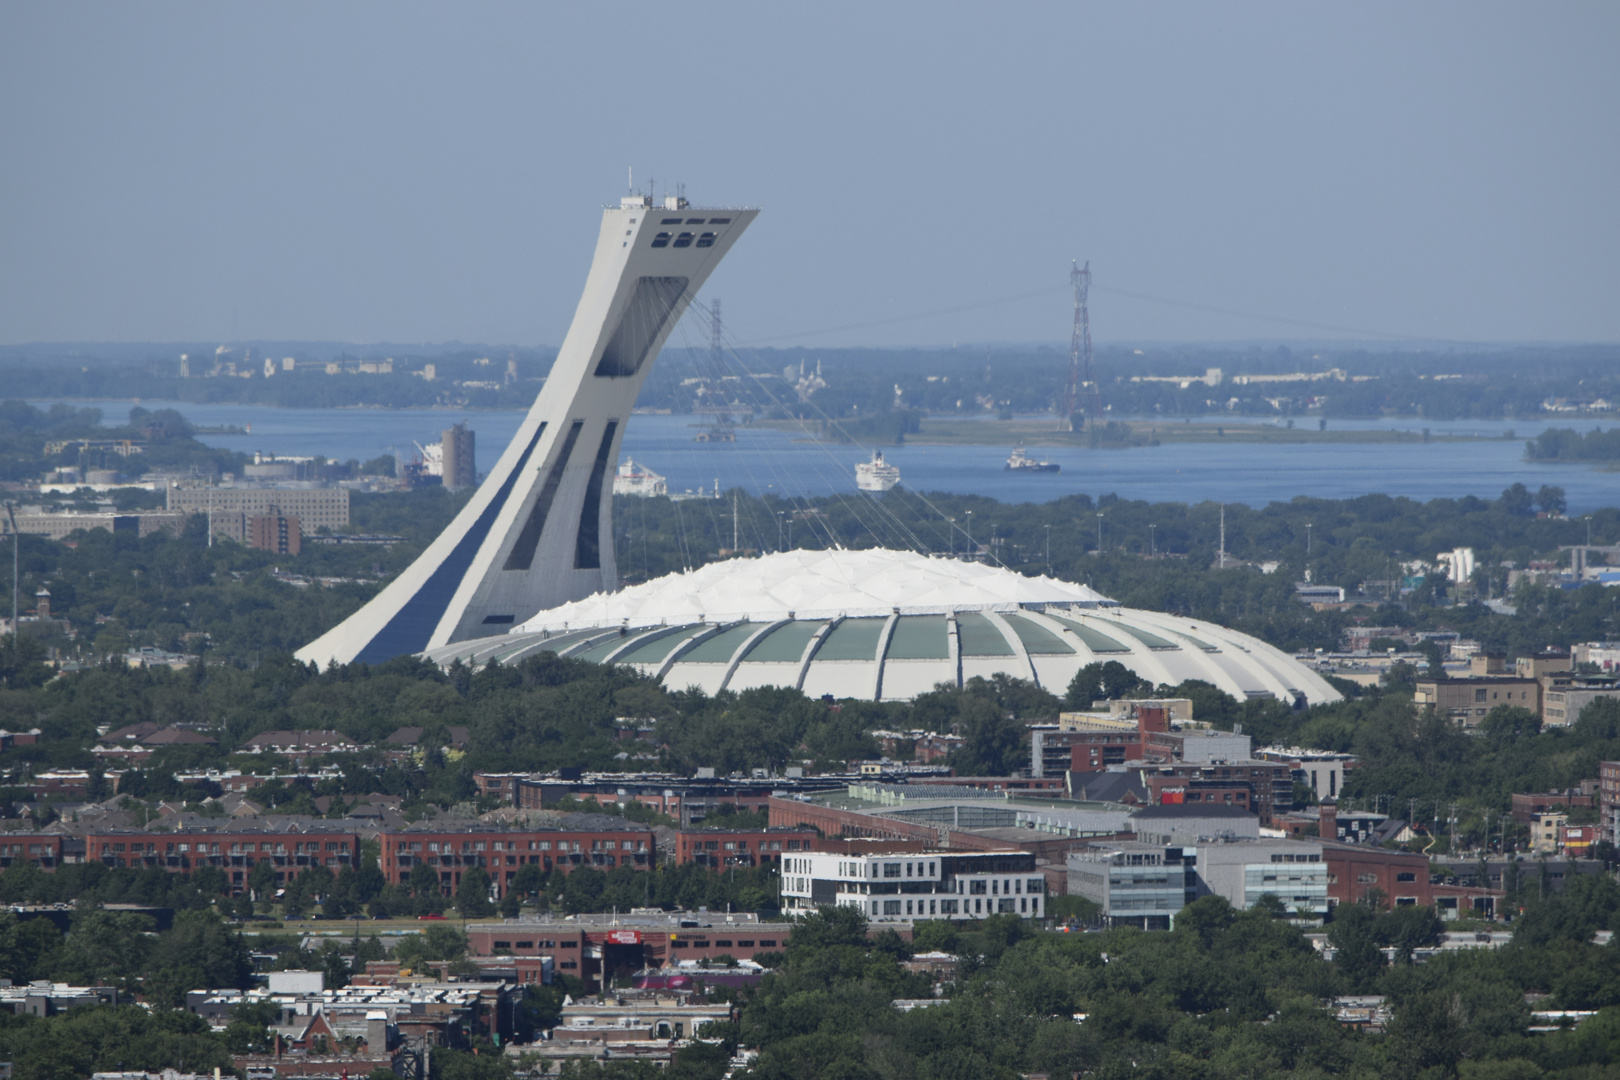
1153 540
1308 528
1099 532
1048 548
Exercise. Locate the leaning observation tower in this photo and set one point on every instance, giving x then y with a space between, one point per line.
538 532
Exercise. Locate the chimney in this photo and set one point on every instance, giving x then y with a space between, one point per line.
1328 820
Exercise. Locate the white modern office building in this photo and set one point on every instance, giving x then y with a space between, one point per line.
538 533
909 886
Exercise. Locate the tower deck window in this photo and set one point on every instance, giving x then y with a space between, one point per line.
694 221
684 240
706 240
719 221
661 240
670 221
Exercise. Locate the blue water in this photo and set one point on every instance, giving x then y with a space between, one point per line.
765 460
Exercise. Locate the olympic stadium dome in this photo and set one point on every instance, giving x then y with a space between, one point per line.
884 625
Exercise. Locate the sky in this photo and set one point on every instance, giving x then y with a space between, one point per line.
360 172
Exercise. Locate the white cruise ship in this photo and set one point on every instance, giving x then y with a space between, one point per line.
877 474
633 479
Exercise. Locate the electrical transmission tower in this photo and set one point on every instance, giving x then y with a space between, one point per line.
1082 376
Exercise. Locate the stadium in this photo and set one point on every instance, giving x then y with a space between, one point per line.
528 565
885 625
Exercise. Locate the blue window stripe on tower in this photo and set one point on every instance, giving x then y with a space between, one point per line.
408 631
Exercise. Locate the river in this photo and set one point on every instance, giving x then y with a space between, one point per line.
765 460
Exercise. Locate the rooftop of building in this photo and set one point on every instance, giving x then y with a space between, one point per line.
470 828
262 826
636 919
1177 812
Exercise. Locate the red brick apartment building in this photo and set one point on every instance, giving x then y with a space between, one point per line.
235 850
41 850
1609 800
595 944
501 852
721 848
1355 871
1527 806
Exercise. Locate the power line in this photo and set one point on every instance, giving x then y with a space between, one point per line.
910 318
1194 305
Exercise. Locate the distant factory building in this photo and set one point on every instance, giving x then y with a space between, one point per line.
60 526
312 507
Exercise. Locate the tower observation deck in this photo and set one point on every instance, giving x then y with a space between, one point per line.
538 532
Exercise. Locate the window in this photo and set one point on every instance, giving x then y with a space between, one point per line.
1035 885
683 240
507 945
669 221
1406 876
978 888
1479 695
745 943
908 869
891 907
767 943
525 944
694 221
706 240
891 869
661 240
947 907
722 943
719 221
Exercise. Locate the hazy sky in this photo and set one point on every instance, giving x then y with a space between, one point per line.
434 172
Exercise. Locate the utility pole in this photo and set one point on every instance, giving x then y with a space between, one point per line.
16 548
716 329
734 523
1048 548
1153 540
1099 532
1220 554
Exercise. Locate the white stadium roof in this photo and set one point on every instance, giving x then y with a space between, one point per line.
814 585
884 625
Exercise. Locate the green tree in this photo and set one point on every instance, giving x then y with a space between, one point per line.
472 895
199 952
103 948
